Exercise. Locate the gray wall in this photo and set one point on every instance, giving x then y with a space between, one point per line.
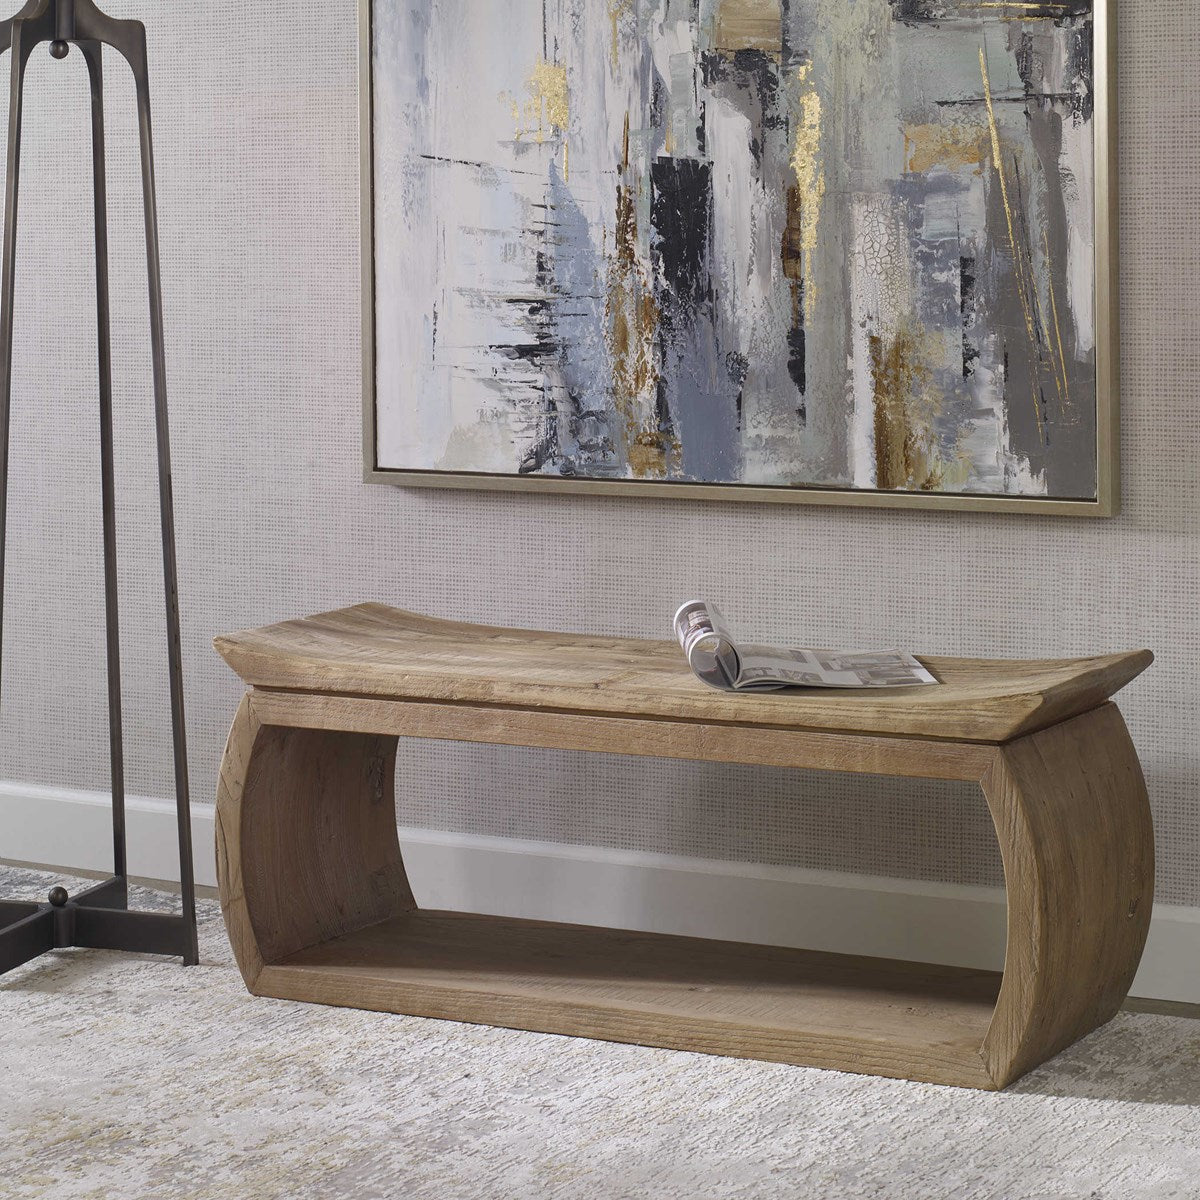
257 125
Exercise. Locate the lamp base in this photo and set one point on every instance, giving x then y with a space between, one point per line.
97 917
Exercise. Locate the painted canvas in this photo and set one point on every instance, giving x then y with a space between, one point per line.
795 244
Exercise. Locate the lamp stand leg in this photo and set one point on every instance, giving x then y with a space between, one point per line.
112 625
99 916
166 504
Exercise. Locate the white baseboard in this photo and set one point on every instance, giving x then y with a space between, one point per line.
786 906
68 828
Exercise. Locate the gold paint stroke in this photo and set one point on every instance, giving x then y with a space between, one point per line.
548 86
633 317
649 452
907 457
1012 235
809 173
1041 326
616 10
750 25
548 103
1062 358
1023 12
892 379
950 146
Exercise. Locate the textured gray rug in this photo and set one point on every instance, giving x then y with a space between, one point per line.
128 1076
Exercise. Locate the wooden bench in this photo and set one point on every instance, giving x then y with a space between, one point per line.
318 905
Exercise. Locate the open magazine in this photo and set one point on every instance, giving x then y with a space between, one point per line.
722 662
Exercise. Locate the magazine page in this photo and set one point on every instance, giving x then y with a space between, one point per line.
718 660
706 641
831 668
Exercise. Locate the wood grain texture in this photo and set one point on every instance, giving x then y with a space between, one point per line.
307 847
922 758
867 1015
318 905
374 650
231 792
1073 820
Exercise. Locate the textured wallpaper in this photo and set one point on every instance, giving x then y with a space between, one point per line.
257 125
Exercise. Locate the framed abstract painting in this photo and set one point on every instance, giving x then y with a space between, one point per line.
831 251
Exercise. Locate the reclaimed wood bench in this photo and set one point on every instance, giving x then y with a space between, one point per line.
318 905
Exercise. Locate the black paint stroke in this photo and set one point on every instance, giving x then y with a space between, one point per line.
966 287
681 211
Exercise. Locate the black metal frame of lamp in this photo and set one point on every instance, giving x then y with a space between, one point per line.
99 916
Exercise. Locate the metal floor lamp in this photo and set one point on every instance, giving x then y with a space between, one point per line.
99 916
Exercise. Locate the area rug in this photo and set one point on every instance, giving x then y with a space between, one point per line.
131 1076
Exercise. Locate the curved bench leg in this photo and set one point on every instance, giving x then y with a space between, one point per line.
1073 819
307 848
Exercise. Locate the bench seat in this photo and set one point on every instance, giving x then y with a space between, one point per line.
375 650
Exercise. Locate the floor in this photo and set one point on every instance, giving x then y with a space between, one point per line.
129 1076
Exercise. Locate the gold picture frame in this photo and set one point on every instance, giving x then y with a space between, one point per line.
1107 358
